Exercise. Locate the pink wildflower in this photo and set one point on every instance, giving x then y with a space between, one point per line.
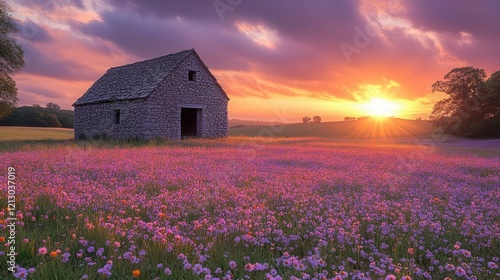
42 250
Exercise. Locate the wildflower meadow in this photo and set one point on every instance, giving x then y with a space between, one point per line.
243 209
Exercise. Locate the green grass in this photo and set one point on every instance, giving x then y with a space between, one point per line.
8 133
14 138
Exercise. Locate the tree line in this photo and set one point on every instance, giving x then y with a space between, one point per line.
37 116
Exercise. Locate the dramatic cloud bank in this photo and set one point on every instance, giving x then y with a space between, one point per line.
304 57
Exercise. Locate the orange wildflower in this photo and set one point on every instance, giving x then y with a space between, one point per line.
53 254
2 239
136 273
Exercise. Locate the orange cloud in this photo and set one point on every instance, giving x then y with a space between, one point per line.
266 54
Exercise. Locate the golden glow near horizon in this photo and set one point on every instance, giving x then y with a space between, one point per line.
379 107
267 72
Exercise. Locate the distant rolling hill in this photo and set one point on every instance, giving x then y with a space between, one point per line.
244 123
369 128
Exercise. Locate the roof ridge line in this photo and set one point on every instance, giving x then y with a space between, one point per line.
149 59
149 75
173 69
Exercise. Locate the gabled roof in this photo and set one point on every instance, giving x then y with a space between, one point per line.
134 81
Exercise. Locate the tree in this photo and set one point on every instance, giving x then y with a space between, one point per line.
316 119
472 102
348 119
38 116
491 105
31 116
53 107
306 119
11 60
66 121
491 96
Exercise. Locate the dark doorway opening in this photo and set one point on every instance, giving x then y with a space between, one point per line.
189 122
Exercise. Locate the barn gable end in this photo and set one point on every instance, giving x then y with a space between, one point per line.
173 96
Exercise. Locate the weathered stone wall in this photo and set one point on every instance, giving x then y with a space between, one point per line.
159 115
98 120
177 91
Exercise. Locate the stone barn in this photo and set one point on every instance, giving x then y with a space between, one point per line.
172 96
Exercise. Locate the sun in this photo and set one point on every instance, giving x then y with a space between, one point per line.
379 107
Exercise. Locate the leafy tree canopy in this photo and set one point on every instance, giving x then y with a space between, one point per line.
11 60
472 108
316 119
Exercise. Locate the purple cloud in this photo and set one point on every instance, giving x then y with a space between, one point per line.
307 39
51 5
52 66
42 91
32 31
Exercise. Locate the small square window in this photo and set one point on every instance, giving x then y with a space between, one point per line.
192 75
117 116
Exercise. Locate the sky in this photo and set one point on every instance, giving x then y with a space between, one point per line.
277 60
